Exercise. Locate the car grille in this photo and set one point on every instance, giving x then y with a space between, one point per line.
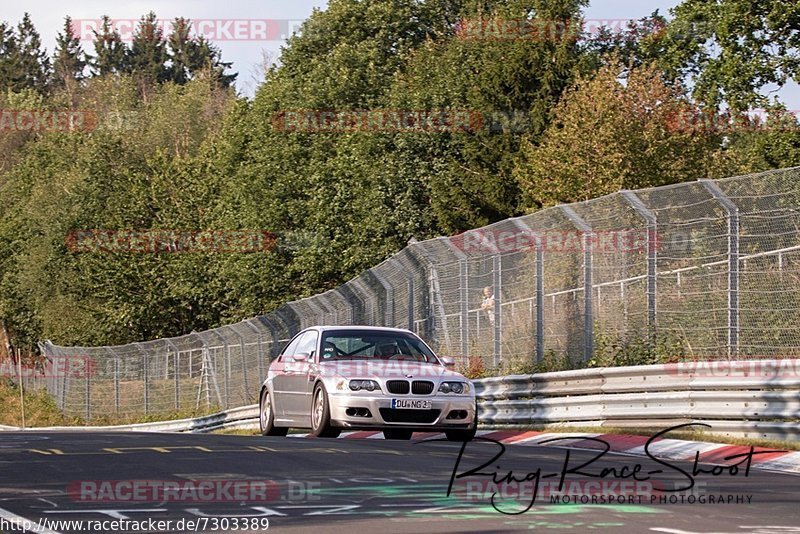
409 416
421 387
398 387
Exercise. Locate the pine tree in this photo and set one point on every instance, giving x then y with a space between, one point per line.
147 57
26 64
9 57
181 51
69 59
190 56
109 49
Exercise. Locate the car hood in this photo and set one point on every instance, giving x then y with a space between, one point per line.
387 370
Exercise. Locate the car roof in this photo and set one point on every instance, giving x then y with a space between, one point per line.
358 327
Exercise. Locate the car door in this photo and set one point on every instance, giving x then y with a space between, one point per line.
298 393
280 383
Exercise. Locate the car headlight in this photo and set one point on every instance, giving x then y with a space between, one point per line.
367 385
454 387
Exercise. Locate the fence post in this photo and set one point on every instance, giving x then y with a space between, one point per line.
389 291
146 378
63 385
539 248
244 361
497 281
115 357
177 373
463 286
588 312
88 400
259 349
410 285
732 212
652 257
226 363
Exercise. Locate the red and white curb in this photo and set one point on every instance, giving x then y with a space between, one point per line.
668 449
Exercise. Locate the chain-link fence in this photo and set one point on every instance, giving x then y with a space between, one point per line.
710 266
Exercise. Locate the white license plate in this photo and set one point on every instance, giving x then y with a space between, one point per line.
411 404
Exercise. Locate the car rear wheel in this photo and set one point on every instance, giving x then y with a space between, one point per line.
397 433
267 417
321 415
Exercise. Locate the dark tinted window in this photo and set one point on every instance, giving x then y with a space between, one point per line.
374 345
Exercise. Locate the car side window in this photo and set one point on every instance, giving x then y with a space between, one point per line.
308 343
291 348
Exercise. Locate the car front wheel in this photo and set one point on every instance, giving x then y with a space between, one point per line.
321 415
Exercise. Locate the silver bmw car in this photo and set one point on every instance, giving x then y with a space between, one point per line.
330 378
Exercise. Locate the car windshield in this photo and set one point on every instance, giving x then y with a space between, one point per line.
374 345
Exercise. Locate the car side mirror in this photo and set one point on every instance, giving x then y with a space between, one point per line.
301 357
448 362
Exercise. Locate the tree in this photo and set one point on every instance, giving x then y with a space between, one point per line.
607 136
191 56
147 55
34 63
69 62
110 52
734 48
511 84
9 57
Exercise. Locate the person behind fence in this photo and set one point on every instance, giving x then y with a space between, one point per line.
488 304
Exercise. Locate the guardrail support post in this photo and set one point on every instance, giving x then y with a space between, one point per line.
652 257
588 317
732 212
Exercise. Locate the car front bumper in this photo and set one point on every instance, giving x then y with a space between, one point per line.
382 415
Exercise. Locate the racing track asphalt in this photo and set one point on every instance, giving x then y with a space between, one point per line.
373 486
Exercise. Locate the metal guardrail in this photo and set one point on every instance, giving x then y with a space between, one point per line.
243 418
752 399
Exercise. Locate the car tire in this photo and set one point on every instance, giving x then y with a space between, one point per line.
321 415
397 433
266 417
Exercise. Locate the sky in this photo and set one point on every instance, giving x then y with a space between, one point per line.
239 29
